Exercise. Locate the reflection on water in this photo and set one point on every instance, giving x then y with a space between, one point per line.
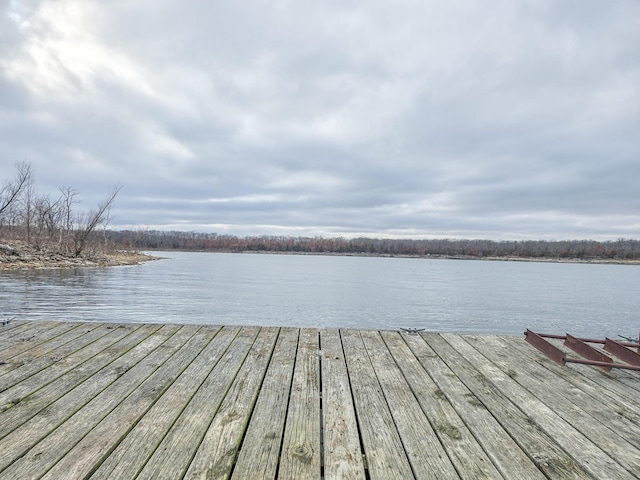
326 291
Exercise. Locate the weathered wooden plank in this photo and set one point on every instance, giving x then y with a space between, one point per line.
18 339
32 404
174 454
45 349
131 447
342 453
470 460
33 375
14 323
218 449
23 352
533 423
507 456
260 450
421 444
573 403
28 366
14 342
146 378
23 438
385 455
630 378
300 457
16 333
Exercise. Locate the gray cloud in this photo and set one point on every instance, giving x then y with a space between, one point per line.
338 118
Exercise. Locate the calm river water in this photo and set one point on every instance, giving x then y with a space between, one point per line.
328 291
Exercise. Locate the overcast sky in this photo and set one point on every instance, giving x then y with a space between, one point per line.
498 119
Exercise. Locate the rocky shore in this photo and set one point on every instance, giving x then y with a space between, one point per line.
16 256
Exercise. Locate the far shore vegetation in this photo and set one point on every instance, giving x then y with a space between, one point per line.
37 230
615 251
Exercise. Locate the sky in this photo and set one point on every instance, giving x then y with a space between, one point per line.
498 119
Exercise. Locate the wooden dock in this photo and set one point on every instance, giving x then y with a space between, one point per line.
147 401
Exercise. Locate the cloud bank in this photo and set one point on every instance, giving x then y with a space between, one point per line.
494 120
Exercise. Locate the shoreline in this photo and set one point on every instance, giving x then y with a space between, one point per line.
15 256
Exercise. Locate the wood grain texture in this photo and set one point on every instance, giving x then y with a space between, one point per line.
86 411
425 452
259 454
385 454
470 460
300 457
217 451
89 372
442 364
342 452
173 455
82 400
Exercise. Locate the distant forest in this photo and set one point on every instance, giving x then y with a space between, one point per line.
584 250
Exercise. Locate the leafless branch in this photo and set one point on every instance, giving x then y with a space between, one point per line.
11 190
93 219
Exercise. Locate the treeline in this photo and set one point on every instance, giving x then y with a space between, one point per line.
51 224
622 249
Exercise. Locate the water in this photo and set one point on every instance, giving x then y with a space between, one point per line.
328 291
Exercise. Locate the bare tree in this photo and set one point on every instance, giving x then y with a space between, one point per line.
11 190
88 223
26 211
47 223
67 199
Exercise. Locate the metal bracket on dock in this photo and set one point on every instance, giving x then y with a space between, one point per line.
592 356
